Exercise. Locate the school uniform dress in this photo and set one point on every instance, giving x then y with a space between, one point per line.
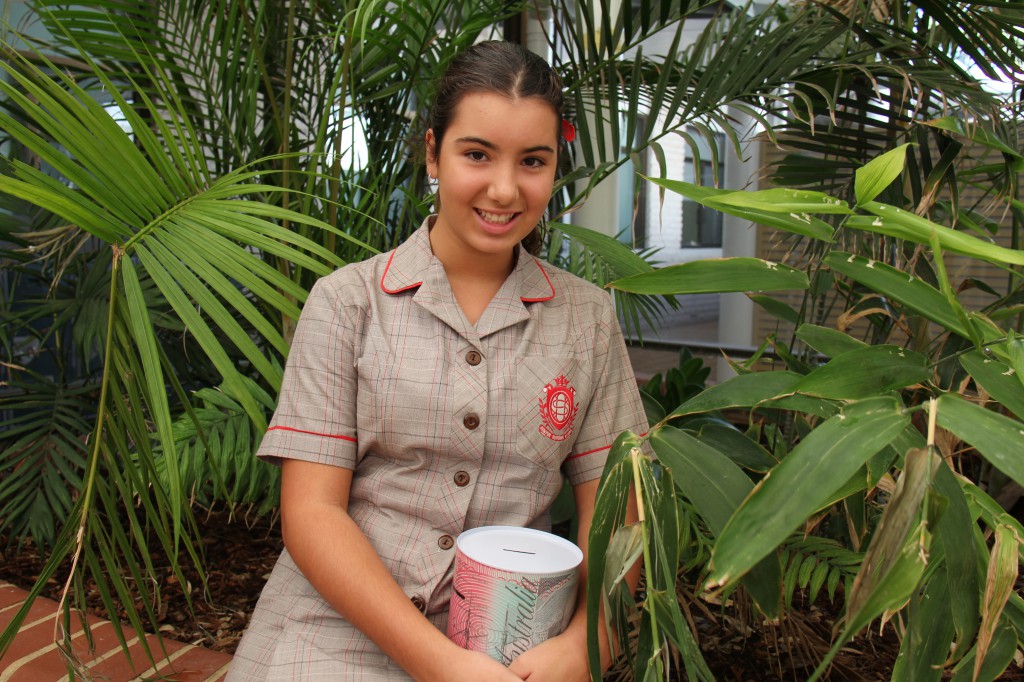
447 426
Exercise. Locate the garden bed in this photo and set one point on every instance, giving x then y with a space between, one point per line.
241 555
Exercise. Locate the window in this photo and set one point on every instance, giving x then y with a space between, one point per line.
702 226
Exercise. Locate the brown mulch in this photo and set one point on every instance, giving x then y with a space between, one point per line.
241 554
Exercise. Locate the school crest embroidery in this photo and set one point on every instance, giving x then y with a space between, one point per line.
558 409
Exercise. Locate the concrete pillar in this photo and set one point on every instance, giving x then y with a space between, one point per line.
739 238
601 210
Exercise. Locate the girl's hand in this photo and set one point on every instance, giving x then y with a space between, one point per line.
473 666
559 659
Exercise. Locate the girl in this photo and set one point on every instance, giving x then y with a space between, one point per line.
446 385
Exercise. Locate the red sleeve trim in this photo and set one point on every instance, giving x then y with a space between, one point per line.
588 452
312 433
542 298
384 276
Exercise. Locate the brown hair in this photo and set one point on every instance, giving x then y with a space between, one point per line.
496 67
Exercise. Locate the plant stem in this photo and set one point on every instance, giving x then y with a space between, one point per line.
94 456
932 415
635 455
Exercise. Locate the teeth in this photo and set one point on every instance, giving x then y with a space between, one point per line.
500 218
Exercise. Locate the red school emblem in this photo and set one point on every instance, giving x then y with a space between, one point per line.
558 409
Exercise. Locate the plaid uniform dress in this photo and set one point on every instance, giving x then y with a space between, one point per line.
447 427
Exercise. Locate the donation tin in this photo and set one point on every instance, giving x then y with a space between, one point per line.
513 589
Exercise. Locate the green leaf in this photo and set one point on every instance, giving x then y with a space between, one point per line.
954 531
776 308
879 173
996 437
609 512
857 483
625 548
666 609
797 223
717 487
211 272
864 372
975 133
714 275
213 346
917 295
602 259
742 450
666 522
896 560
946 287
929 633
1000 380
743 390
624 260
1000 655
710 480
661 561
652 408
819 407
828 342
785 200
901 224
64 202
990 513
893 588
1003 569
818 466
144 341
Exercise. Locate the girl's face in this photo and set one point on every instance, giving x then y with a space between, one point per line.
495 172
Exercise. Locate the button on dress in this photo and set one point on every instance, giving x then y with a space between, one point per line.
447 426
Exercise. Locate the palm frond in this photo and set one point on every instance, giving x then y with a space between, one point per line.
602 259
43 455
175 237
214 440
812 563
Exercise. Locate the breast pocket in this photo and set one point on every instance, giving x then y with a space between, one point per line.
551 393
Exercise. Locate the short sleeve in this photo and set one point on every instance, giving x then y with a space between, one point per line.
615 404
315 419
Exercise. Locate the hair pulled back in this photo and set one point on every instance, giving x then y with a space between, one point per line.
497 67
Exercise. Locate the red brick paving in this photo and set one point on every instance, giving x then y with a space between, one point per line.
33 655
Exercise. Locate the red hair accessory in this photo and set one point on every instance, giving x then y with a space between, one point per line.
568 131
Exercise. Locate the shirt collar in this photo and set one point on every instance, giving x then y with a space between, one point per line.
413 262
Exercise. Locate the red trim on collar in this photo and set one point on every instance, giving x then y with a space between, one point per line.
416 284
312 433
546 298
384 276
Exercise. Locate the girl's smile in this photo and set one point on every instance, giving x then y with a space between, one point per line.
497 218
